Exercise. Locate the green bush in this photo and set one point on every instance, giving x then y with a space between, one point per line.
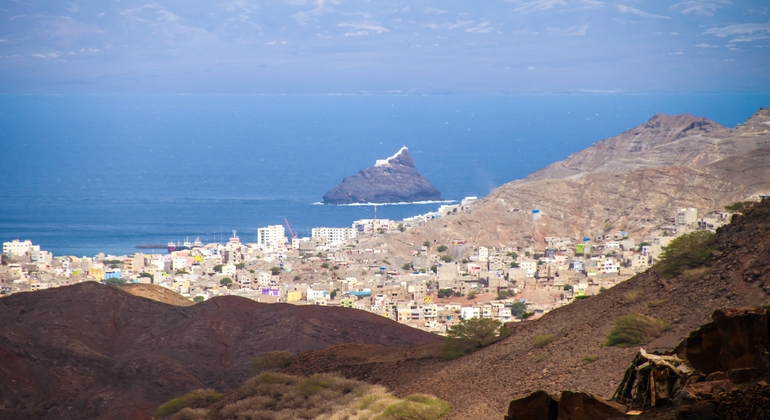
636 330
469 335
271 361
739 207
441 248
198 299
194 399
446 258
590 358
687 251
543 340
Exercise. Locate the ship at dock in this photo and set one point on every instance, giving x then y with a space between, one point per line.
185 245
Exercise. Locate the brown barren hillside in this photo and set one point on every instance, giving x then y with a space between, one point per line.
633 182
480 385
94 351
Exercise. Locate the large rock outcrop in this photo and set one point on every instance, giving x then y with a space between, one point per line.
392 180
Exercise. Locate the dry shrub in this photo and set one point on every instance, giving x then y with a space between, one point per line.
633 296
590 358
543 340
656 303
271 361
636 330
694 274
190 414
275 396
194 399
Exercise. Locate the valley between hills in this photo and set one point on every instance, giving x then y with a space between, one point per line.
108 352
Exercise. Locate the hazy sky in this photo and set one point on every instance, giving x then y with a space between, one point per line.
350 46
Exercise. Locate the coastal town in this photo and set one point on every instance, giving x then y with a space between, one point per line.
432 286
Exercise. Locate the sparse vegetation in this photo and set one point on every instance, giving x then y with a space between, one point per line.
687 251
115 280
441 248
590 358
446 258
198 299
426 243
607 226
406 266
543 340
472 294
470 335
271 361
505 294
633 296
274 396
694 274
739 207
636 330
225 281
276 270
656 303
194 399
401 227
297 278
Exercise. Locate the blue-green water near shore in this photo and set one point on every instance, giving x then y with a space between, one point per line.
87 174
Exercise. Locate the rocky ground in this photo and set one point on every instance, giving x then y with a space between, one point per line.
480 385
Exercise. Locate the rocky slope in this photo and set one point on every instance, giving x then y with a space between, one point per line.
479 386
93 351
393 180
633 182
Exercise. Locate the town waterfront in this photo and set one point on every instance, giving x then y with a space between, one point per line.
89 174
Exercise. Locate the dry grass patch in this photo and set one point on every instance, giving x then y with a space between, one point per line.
590 358
543 340
636 330
275 396
633 296
656 303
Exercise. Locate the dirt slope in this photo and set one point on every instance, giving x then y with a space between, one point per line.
480 385
93 351
156 293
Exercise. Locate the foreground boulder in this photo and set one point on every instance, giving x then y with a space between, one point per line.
570 406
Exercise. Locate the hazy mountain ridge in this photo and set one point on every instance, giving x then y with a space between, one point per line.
682 161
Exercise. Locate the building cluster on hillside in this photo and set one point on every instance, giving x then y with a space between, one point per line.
432 287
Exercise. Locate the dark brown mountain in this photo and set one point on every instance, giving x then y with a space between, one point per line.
93 351
480 385
392 180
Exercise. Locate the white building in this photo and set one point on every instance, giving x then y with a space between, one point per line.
686 216
15 247
467 312
333 235
271 235
483 253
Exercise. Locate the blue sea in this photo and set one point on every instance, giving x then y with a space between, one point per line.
81 175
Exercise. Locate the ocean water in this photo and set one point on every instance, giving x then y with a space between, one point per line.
87 174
